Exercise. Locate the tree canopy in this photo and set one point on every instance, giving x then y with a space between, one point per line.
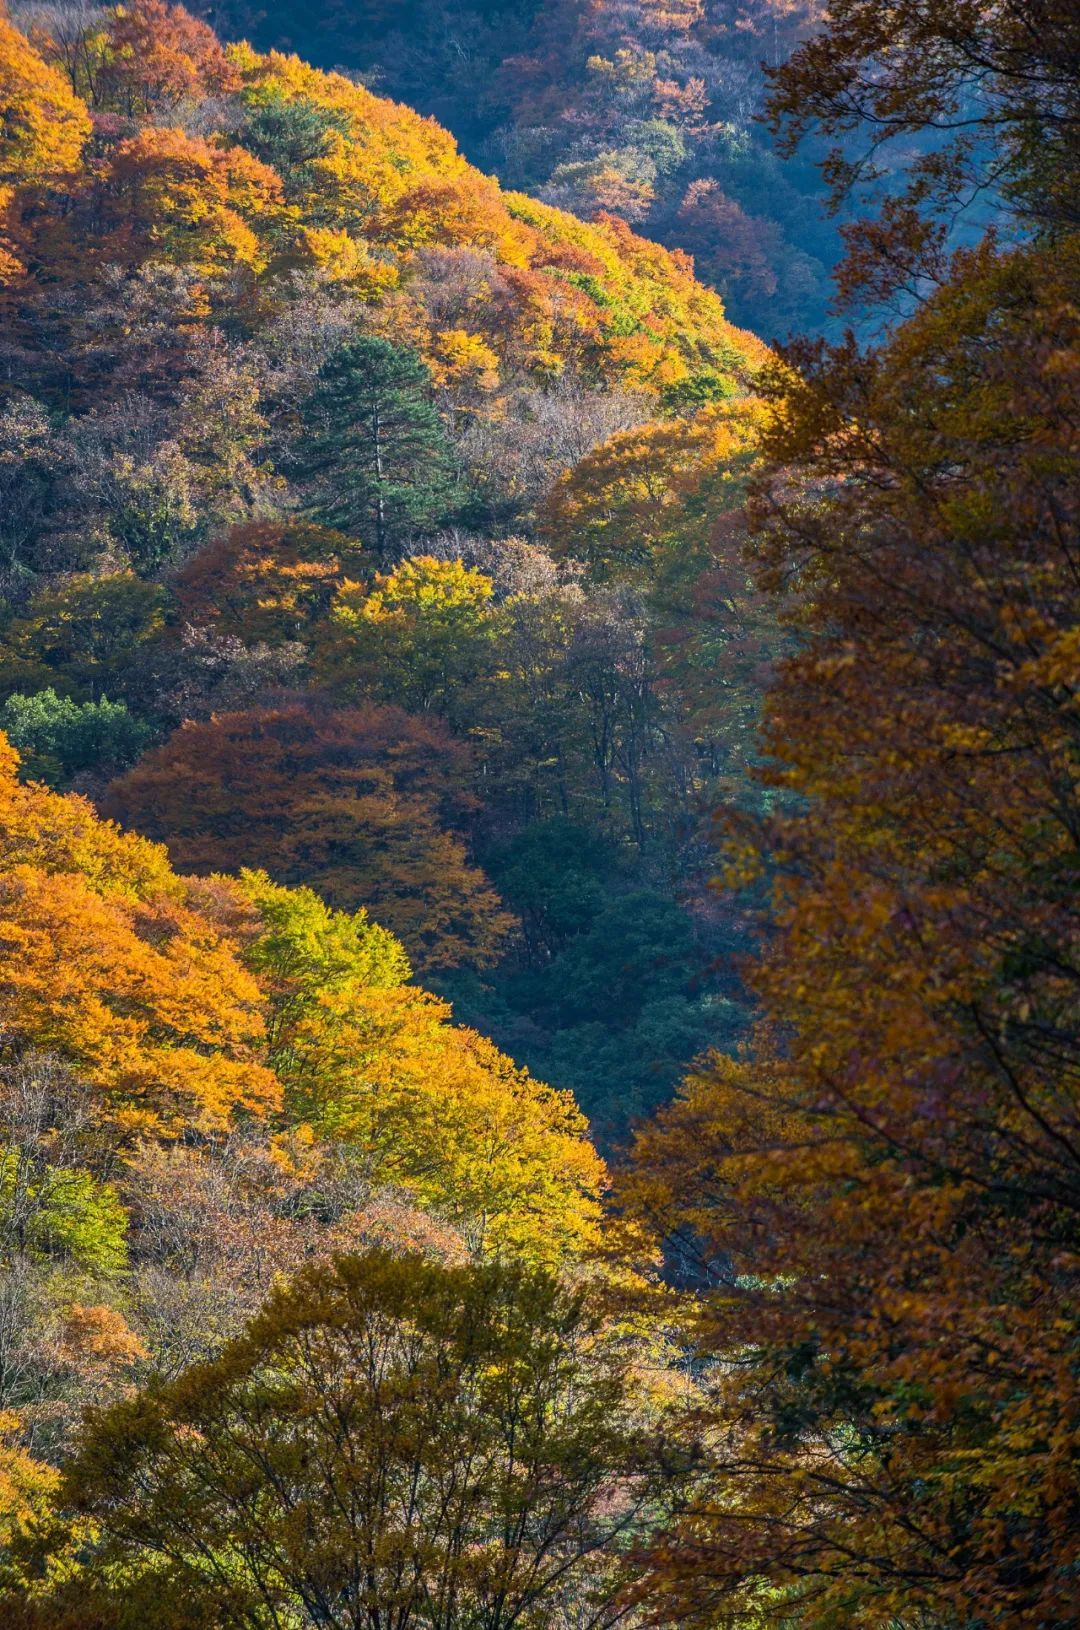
461 1448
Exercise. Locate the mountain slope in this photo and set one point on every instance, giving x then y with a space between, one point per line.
650 108
387 519
255 169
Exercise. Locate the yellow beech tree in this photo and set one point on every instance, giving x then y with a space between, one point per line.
417 637
649 497
45 124
444 1114
197 202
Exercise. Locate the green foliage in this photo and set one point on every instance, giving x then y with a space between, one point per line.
84 632
308 952
289 133
62 1213
616 990
556 873
637 947
621 1074
391 1441
154 517
374 455
418 637
57 738
662 143
686 396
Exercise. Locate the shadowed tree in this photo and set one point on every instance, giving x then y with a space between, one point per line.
360 804
394 1444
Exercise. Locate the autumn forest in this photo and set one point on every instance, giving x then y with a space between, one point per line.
540 815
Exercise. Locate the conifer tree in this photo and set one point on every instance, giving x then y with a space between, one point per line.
378 463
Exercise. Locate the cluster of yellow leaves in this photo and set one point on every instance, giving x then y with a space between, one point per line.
181 1003
449 1118
349 261
43 129
414 636
26 1484
459 360
654 491
194 202
45 124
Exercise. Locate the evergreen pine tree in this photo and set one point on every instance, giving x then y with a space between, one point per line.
378 461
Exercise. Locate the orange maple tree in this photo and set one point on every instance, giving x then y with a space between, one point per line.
357 803
265 581
109 964
156 55
45 127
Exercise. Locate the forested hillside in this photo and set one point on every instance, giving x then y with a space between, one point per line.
651 109
370 539
305 420
539 1046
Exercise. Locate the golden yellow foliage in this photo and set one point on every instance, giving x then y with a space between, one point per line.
654 490
43 128
26 1484
448 1117
45 125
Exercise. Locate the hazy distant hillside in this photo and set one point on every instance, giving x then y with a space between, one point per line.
650 108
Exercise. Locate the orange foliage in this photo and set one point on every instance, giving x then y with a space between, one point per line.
105 963
453 212
730 244
43 129
895 1192
385 189
45 125
202 205
98 1339
265 581
654 491
351 802
159 54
